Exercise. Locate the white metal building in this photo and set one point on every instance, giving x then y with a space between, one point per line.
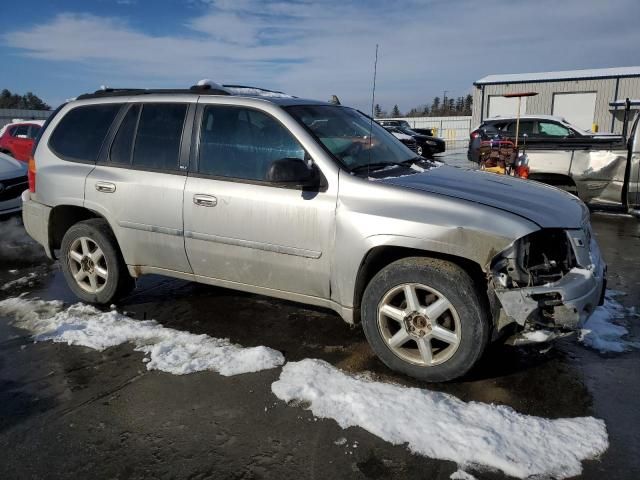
583 97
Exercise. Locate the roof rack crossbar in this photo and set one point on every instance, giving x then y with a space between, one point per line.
123 92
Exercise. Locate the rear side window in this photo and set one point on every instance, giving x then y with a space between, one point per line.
81 132
122 145
21 130
157 140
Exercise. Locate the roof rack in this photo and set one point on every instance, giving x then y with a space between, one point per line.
123 92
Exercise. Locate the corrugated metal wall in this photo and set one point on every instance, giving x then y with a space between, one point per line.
543 103
7 115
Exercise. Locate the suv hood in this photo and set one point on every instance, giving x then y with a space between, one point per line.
546 206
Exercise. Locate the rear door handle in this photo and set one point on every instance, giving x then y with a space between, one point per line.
105 187
205 200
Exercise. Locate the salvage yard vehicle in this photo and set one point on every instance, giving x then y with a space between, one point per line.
314 203
16 139
602 170
426 145
13 181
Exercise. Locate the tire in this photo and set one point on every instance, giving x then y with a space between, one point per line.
445 291
92 263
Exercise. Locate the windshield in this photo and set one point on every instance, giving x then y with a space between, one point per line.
345 133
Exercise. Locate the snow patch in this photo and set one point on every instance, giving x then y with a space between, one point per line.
168 350
539 336
461 475
26 281
603 330
442 426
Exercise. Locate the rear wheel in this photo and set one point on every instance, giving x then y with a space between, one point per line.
423 317
92 264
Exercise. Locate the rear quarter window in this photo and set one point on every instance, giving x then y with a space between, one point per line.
81 133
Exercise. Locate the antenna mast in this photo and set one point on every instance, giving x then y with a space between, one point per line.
373 101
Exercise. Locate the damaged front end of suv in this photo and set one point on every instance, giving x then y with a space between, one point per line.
549 281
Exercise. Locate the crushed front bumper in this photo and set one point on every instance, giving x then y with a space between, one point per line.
567 302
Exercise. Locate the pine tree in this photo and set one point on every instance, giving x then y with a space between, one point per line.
459 105
435 106
451 106
468 104
396 111
377 111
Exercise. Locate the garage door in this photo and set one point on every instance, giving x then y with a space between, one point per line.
505 107
576 108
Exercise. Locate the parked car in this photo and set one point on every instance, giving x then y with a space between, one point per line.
13 181
310 202
408 140
16 139
425 146
536 131
429 132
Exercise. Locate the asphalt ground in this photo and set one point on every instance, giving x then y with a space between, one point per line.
73 412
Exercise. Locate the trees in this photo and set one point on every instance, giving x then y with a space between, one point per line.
449 107
28 101
435 106
377 111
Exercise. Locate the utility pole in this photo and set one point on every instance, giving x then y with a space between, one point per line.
444 101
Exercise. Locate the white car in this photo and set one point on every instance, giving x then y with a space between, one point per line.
13 181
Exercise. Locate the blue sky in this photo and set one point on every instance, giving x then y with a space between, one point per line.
59 49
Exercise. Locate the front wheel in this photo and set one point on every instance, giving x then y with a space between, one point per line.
423 317
92 264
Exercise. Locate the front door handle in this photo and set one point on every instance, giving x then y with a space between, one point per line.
205 200
105 187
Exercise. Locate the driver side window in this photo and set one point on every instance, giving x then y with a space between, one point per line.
242 143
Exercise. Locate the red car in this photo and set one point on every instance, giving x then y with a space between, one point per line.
16 139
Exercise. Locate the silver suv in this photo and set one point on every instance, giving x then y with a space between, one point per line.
311 202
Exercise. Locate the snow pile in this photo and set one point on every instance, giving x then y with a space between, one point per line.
169 350
441 426
26 281
603 330
461 475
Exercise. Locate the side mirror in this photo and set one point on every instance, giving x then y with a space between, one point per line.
294 173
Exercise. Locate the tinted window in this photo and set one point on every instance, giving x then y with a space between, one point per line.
158 138
242 143
80 134
21 130
122 144
552 129
525 127
33 131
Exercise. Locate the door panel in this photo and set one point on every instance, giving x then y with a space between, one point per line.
260 235
241 228
140 186
546 161
145 211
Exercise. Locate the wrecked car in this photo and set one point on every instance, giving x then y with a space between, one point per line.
601 169
309 202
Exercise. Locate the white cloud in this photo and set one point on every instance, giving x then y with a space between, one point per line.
324 47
